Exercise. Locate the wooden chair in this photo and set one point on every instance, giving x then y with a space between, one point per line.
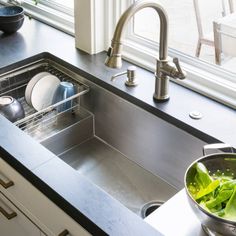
225 38
208 38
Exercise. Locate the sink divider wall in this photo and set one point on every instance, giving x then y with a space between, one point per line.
73 135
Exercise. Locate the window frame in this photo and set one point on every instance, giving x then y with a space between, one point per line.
205 78
59 7
52 14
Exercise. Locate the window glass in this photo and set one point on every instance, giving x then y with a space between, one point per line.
191 24
58 13
60 5
66 3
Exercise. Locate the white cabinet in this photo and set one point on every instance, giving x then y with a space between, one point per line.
14 222
36 206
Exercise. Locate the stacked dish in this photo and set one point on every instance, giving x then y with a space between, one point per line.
11 18
40 90
43 90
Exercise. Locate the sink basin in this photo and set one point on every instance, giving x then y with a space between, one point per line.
103 137
133 155
107 167
94 155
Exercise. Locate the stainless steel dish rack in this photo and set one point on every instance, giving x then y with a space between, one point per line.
46 122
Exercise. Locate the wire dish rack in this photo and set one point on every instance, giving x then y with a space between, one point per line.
46 122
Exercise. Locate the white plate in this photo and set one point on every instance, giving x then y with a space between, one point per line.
43 92
31 85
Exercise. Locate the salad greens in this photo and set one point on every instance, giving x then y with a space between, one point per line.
216 194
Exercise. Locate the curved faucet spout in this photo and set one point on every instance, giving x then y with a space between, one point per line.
163 69
114 53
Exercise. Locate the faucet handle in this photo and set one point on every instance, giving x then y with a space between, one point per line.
180 73
131 76
109 51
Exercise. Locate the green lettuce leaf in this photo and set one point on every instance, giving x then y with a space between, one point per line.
230 209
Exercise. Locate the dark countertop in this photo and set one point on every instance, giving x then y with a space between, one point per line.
190 224
100 214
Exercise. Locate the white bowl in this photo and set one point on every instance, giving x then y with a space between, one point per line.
31 85
43 92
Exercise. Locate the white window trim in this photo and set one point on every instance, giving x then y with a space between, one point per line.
95 22
59 7
90 25
58 17
202 77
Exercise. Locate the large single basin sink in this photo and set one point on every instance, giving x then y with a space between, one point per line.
108 167
93 145
128 152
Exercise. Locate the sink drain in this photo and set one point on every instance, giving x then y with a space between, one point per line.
149 207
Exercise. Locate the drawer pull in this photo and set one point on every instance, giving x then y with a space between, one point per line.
64 233
6 184
9 216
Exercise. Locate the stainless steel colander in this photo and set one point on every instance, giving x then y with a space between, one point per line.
216 163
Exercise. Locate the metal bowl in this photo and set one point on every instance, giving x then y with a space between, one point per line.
11 108
225 162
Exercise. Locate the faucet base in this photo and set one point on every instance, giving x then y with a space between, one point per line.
161 88
158 98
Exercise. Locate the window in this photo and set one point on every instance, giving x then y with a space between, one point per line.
65 3
65 6
189 22
58 13
186 19
204 74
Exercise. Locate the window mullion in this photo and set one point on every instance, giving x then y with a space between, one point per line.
90 33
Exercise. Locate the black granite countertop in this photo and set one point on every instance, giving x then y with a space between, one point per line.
99 214
190 224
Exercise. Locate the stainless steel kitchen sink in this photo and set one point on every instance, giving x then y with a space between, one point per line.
115 144
96 145
107 167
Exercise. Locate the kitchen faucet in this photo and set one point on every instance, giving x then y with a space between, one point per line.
163 69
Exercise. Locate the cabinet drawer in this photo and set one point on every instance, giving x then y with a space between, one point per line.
13 222
36 205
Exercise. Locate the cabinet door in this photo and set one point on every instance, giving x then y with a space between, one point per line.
13 222
37 206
